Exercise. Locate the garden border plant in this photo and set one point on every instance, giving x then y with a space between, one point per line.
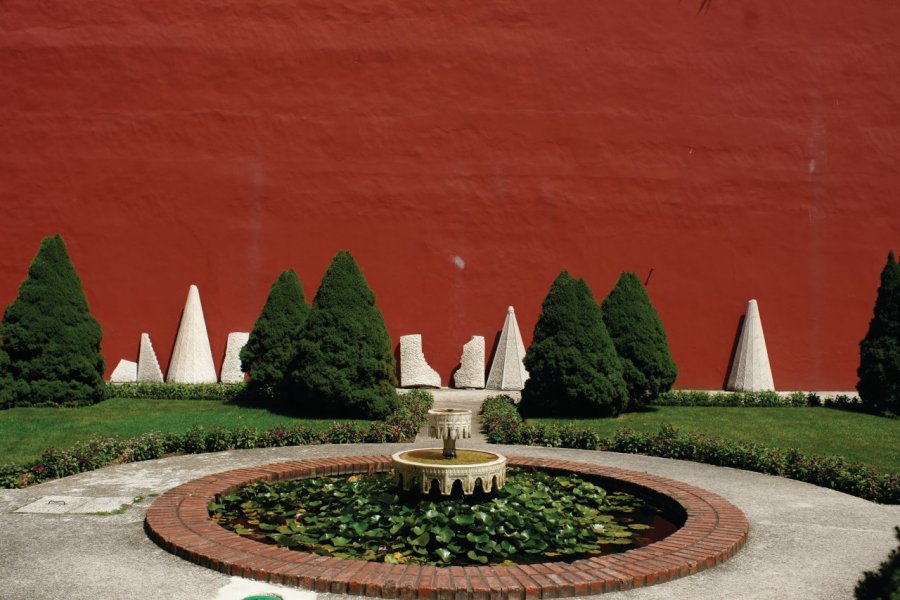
400 426
504 425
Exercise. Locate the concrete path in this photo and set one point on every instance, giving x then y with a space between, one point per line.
805 542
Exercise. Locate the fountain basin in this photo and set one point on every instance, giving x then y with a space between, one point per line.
423 467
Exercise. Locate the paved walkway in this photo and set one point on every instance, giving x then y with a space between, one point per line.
805 542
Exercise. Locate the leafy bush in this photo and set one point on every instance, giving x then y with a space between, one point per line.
401 426
883 584
501 422
879 352
273 341
640 340
573 367
50 352
176 391
344 364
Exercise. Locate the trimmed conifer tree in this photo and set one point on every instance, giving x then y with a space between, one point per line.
50 351
344 364
879 351
572 364
640 340
273 342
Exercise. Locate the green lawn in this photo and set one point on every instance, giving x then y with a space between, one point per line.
26 432
866 438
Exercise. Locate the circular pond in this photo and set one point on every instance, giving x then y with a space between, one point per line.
537 517
712 532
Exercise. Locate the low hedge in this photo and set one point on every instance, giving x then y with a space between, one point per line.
176 391
401 426
503 425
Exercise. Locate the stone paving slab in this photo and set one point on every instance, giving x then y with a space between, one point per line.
76 504
805 542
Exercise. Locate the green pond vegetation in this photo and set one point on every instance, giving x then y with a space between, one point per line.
869 439
535 517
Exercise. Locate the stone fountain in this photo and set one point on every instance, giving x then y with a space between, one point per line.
446 466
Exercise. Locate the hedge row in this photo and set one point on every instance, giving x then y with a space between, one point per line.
504 426
400 426
176 391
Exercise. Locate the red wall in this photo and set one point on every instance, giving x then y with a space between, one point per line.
748 151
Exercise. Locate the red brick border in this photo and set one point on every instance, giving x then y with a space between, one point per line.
713 532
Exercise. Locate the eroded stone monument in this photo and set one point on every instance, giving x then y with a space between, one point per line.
414 369
231 366
125 372
471 365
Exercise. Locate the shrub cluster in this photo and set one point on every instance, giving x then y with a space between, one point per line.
343 365
640 340
176 391
273 342
879 351
503 426
400 426
49 341
572 364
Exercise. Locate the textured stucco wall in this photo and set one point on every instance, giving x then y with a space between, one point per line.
465 152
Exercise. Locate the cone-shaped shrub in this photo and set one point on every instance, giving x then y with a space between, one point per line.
50 341
572 364
640 341
879 352
344 364
273 341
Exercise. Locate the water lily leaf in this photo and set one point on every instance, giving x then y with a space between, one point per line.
477 557
478 539
443 554
339 541
422 540
464 519
638 526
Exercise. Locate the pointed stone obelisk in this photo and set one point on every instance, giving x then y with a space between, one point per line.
750 371
471 365
508 371
414 369
148 370
192 360
231 366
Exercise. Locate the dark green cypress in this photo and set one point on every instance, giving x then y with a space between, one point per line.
50 341
572 364
879 351
275 336
640 340
344 364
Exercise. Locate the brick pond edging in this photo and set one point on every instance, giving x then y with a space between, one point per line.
713 532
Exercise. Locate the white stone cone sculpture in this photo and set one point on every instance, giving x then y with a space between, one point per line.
192 360
148 370
508 371
750 371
